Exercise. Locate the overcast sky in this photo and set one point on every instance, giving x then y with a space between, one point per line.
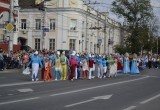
106 6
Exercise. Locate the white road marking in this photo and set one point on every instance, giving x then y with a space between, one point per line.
150 99
10 94
95 87
71 105
22 100
93 99
130 108
17 84
25 90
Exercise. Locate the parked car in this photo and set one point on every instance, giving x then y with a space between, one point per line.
25 47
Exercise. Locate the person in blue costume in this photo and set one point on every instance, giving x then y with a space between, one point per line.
134 67
100 66
36 63
78 67
126 64
52 58
104 63
58 67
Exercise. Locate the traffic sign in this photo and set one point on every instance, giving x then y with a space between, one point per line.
9 27
99 40
46 29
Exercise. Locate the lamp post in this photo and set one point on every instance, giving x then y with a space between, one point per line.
109 40
10 43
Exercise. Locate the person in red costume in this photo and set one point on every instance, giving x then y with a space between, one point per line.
73 66
119 64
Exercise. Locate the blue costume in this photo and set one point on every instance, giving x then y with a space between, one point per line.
126 66
134 67
104 63
100 67
36 63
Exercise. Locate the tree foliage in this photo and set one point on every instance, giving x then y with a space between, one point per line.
137 14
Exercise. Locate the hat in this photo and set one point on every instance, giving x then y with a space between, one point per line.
46 58
58 52
36 52
73 53
63 52
126 54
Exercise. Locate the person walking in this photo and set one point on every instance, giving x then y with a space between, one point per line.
126 64
36 63
47 70
25 60
91 67
100 66
58 67
73 65
135 63
1 60
64 62
85 67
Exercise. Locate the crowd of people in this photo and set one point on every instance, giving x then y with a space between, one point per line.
76 65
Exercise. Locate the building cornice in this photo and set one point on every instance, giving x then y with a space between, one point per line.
77 10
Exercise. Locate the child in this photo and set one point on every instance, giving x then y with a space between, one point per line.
47 69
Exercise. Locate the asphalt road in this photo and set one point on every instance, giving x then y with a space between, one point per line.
125 92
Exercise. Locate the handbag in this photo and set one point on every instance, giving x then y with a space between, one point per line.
26 71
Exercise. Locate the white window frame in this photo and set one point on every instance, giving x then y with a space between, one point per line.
23 24
52 24
52 44
73 25
38 24
37 43
72 44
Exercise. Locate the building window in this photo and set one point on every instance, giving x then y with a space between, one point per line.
23 23
91 46
72 44
38 24
51 44
73 24
37 44
52 24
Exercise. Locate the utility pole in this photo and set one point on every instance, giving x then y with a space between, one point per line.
86 48
10 43
105 35
44 27
109 41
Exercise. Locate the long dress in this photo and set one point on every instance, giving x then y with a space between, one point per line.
119 65
134 67
126 66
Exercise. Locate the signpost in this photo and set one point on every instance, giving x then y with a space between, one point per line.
9 27
99 41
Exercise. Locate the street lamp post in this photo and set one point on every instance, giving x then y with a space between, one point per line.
10 43
109 41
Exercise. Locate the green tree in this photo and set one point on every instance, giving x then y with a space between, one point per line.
137 14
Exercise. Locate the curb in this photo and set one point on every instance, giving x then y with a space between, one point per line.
10 70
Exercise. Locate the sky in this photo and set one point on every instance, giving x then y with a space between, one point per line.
105 5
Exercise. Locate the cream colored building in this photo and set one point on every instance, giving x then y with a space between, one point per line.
67 25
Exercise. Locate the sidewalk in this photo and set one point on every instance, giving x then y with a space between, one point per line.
10 70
